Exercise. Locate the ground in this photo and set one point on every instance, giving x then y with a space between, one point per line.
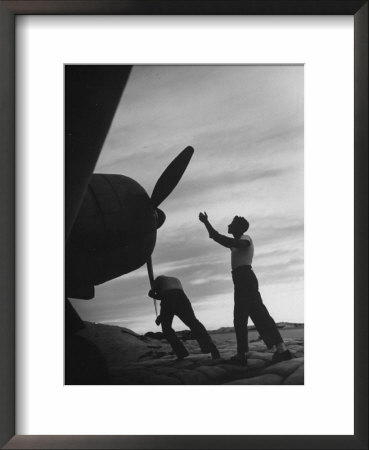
137 359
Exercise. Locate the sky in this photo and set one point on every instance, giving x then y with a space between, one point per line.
246 124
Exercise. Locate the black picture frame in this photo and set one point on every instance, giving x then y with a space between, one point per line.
8 12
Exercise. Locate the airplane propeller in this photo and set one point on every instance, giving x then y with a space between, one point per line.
167 181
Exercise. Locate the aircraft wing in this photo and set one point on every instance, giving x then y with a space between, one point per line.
92 94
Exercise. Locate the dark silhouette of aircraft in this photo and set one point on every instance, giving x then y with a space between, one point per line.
115 230
110 221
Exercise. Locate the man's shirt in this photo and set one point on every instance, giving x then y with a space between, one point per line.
242 256
242 250
164 284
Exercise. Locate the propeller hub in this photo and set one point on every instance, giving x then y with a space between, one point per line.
160 217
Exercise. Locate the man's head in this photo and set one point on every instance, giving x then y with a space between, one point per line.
238 226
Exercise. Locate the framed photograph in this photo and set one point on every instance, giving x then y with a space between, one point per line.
207 170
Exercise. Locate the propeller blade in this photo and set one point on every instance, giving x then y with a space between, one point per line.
169 179
151 278
150 272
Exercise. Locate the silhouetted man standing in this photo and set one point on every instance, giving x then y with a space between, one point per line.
247 298
174 302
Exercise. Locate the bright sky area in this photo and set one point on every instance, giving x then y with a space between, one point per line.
246 124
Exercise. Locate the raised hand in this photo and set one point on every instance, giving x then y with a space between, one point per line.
203 217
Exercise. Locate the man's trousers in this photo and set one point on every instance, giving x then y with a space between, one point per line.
176 303
248 303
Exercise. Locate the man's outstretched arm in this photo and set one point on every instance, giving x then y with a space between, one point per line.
228 241
220 238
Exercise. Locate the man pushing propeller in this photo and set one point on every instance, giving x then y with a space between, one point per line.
174 302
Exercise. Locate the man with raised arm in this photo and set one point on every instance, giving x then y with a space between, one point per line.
174 302
247 298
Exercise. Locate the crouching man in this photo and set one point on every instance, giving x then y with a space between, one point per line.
174 302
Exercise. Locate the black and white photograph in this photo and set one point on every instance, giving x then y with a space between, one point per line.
184 225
